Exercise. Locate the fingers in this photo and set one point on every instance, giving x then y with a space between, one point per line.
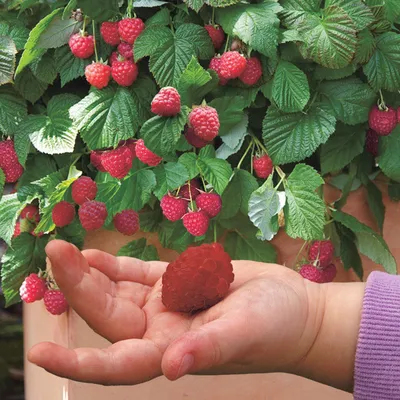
125 268
113 318
124 363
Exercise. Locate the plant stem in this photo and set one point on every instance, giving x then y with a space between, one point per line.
129 9
245 154
382 104
213 16
84 24
226 44
94 40
215 232
298 254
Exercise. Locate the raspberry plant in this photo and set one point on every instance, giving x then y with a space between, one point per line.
295 82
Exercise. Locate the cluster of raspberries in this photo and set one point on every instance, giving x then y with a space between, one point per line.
320 268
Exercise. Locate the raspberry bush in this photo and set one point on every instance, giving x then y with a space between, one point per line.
198 120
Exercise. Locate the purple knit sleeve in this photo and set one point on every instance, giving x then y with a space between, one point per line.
377 365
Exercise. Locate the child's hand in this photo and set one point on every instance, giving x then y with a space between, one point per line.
269 321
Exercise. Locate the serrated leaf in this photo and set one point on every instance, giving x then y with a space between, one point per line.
383 68
72 233
304 209
58 32
375 202
69 66
19 34
215 171
105 117
189 161
257 25
2 182
290 90
235 136
264 204
342 147
366 46
207 152
30 87
195 4
169 176
162 17
290 35
151 39
389 155
329 74
149 3
13 109
173 235
230 112
368 242
44 68
329 40
360 13
7 59
294 137
139 249
221 3
37 166
203 47
161 134
295 11
10 207
100 11
150 219
69 8
25 257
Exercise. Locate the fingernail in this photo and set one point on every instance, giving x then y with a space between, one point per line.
186 363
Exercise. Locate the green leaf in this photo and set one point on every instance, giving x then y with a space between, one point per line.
151 39
55 133
161 18
235 136
290 90
394 191
13 109
10 207
69 8
383 69
173 235
32 51
360 13
257 25
44 68
37 167
100 11
58 32
105 117
375 203
294 137
304 209
197 35
72 233
7 59
365 47
29 86
368 242
25 257
150 219
189 160
329 74
139 249
143 91
169 176
19 34
389 155
241 247
207 152
264 204
161 134
215 171
342 147
230 112
295 11
69 66
329 40
195 4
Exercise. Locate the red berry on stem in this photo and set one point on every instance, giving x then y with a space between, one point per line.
321 251
113 58
215 65
329 273
145 155
190 191
130 28
194 140
232 65
63 213
109 32
216 34
32 289
210 203
372 142
84 189
196 222
166 103
124 72
312 273
30 212
252 73
173 208
55 302
82 46
382 121
117 162
131 145
95 159
92 215
17 230
126 50
127 222
205 122
198 279
263 166
98 74
9 161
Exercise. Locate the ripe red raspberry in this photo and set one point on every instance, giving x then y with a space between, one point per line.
109 32
205 122
31 213
32 289
194 140
312 273
198 279
398 115
173 208
215 65
126 50
95 159
84 189
9 161
131 145
232 65
196 222
216 34
372 142
63 213
82 46
92 215
130 28
252 73
117 162
210 203
98 74
113 58
190 191
55 302
124 72
167 102
127 222
145 155
321 251
17 230
263 166
329 273
382 122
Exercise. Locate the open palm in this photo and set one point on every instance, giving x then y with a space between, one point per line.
120 299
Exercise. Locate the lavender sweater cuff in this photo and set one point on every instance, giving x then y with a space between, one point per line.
377 365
